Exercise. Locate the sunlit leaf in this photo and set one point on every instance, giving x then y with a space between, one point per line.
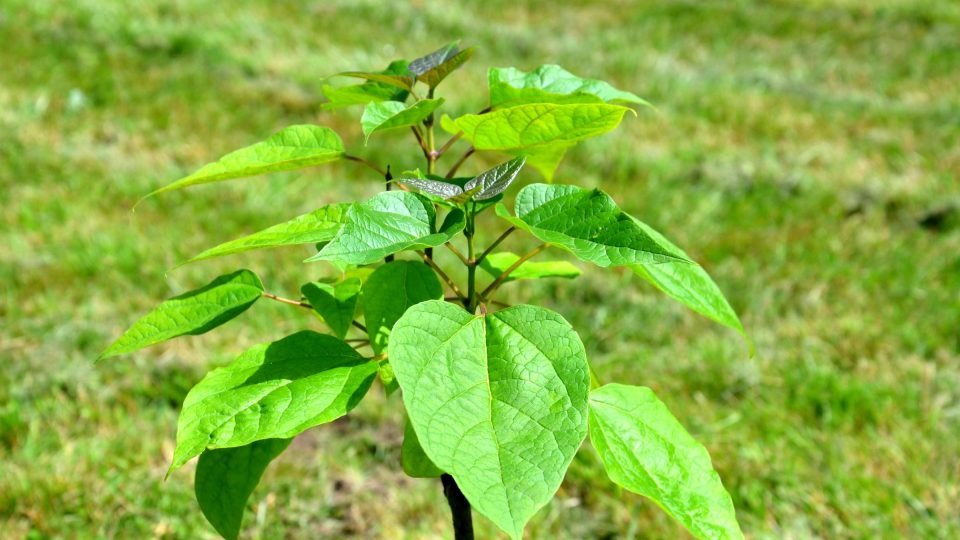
550 83
496 263
384 115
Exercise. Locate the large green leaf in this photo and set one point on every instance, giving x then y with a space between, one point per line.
194 312
390 222
588 224
434 67
496 263
690 285
545 159
336 303
361 94
550 83
534 125
226 477
390 291
294 147
499 402
647 451
412 458
272 391
321 225
384 115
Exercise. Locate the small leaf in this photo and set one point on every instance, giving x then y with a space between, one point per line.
588 224
412 458
387 378
493 182
548 84
272 391
444 190
191 313
384 115
647 451
499 402
225 478
321 225
399 80
496 263
534 125
390 222
390 291
294 147
361 94
335 303
434 67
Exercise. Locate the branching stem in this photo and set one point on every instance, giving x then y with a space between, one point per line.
287 301
456 166
495 243
443 275
348 157
499 281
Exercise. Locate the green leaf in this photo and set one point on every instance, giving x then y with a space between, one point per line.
534 125
294 147
545 159
390 291
550 83
412 458
390 222
384 115
191 313
361 94
438 188
225 478
272 391
588 224
321 225
690 285
434 67
496 263
485 185
499 402
336 303
404 81
387 378
647 451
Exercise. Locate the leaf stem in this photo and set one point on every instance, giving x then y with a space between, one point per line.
456 166
495 243
456 252
360 326
499 281
449 143
443 275
358 159
287 300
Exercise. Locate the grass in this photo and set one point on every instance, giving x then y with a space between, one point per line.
807 152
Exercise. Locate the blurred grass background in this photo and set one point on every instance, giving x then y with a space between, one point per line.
807 152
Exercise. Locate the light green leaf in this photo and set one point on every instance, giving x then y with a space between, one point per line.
384 115
321 225
499 402
226 477
404 81
390 222
588 224
538 124
191 313
434 67
690 285
550 83
294 147
387 378
545 159
361 94
390 290
647 451
412 458
336 303
496 263
272 391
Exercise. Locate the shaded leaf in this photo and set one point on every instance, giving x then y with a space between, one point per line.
384 115
336 303
412 458
294 147
496 263
493 182
226 477
191 313
272 391
361 94
390 291
424 64
550 83
390 222
499 402
434 67
647 451
321 225
438 188
404 81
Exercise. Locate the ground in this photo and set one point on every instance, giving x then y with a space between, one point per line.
806 152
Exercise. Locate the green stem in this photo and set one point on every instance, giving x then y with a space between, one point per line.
499 281
495 243
468 231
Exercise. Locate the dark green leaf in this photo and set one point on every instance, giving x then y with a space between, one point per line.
272 391
294 147
439 188
550 84
390 290
403 81
225 478
647 451
361 94
499 402
192 313
412 458
493 182
384 115
496 263
336 303
434 67
430 61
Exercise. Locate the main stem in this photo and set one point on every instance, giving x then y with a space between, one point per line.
459 507
471 303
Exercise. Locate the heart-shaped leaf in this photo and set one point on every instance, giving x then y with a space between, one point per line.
294 147
498 402
384 115
390 291
647 451
272 391
390 222
550 83
336 303
191 313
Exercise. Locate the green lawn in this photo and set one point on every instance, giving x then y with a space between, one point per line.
806 151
